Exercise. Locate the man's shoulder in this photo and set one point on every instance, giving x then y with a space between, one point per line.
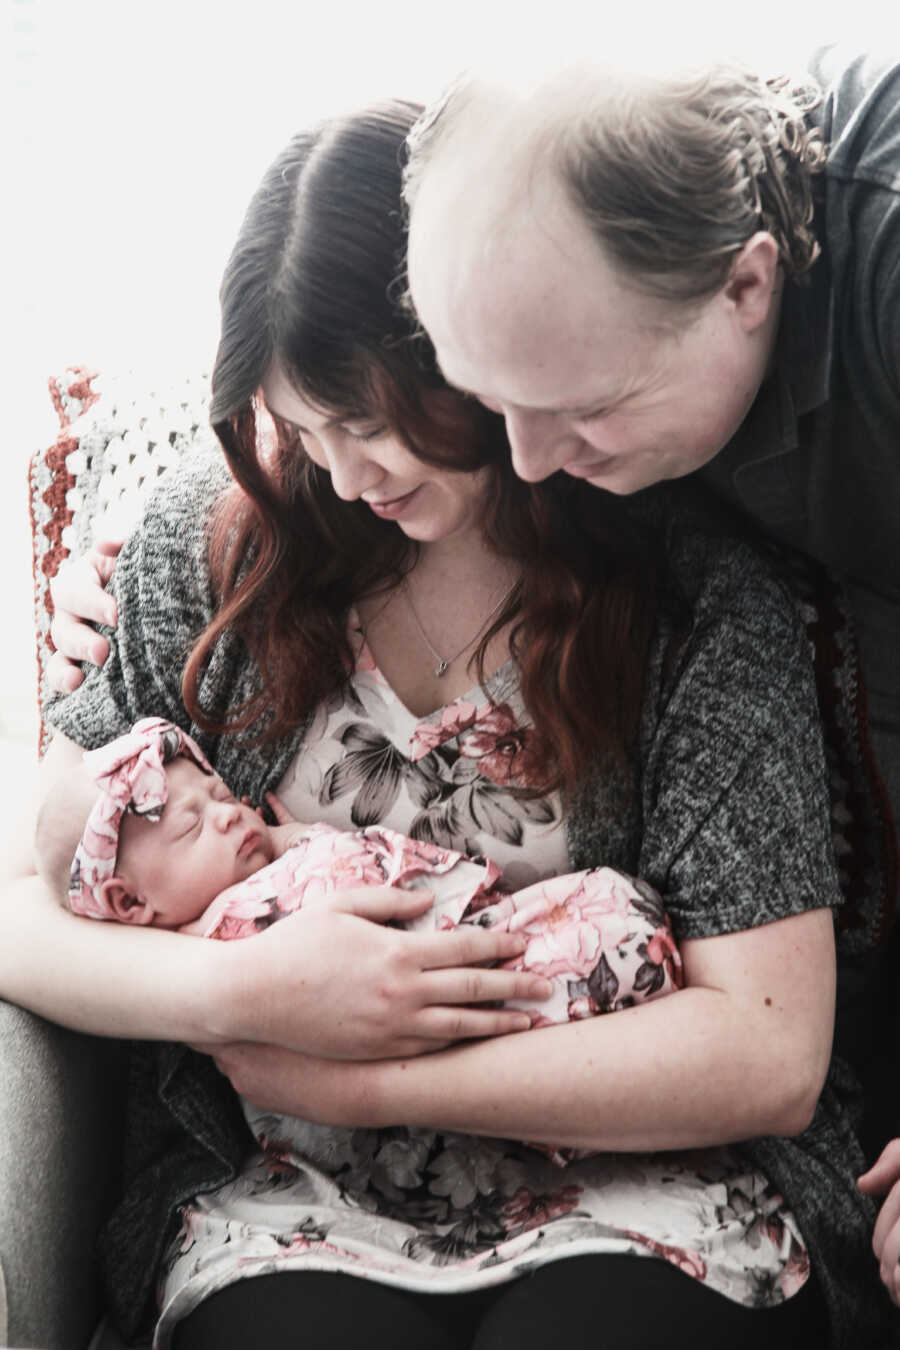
718 560
859 115
849 71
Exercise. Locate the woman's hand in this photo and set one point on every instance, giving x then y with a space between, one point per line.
883 1178
79 600
692 1070
335 980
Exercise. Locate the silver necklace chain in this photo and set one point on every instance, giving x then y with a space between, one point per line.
445 662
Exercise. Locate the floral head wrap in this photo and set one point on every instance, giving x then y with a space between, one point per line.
131 775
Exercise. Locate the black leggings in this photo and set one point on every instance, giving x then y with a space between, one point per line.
597 1302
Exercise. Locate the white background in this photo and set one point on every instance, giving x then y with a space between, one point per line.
135 133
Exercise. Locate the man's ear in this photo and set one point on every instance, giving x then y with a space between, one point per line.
754 282
126 905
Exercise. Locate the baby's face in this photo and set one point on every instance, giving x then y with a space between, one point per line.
204 841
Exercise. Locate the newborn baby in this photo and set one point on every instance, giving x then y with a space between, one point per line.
148 833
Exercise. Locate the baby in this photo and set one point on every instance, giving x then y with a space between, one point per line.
148 833
145 832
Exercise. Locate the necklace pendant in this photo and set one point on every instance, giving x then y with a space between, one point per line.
440 668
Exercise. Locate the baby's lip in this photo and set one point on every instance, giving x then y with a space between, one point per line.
251 841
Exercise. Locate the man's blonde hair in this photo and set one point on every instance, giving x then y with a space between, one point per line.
673 173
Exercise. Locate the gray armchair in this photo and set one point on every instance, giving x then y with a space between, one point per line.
58 1151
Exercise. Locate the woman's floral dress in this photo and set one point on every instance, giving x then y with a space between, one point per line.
430 1210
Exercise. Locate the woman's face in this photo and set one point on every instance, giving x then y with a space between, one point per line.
369 462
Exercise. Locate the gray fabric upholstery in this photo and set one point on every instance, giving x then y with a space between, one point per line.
58 1109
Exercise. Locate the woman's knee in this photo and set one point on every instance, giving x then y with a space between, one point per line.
617 1302
313 1310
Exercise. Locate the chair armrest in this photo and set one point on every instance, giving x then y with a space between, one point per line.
59 1150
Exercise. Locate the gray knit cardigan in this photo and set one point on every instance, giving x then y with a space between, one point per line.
726 815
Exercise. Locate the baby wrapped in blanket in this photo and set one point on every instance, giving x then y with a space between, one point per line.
149 834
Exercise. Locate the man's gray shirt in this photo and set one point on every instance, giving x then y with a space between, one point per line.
817 461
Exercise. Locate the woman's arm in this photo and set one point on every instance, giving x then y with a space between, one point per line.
84 974
409 992
741 1051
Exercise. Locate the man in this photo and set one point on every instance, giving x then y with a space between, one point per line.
653 277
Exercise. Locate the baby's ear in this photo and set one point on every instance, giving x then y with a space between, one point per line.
124 903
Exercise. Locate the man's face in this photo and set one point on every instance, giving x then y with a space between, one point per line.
592 376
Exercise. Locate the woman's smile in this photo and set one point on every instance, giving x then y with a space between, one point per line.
391 508
442 503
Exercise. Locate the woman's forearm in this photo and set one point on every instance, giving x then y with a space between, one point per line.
678 1073
742 1051
107 979
103 978
409 993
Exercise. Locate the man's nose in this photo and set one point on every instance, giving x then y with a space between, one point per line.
539 441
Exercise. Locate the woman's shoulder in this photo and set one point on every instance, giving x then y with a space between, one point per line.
186 493
167 546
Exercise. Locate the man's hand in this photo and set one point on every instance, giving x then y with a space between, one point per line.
883 1178
79 600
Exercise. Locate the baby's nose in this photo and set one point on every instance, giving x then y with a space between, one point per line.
226 813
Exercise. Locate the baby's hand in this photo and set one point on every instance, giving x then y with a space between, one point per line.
288 830
279 810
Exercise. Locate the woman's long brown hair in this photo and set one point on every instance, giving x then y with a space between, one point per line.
311 286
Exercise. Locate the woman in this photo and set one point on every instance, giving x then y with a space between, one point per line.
395 629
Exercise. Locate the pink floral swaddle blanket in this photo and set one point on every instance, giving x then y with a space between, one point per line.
601 938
